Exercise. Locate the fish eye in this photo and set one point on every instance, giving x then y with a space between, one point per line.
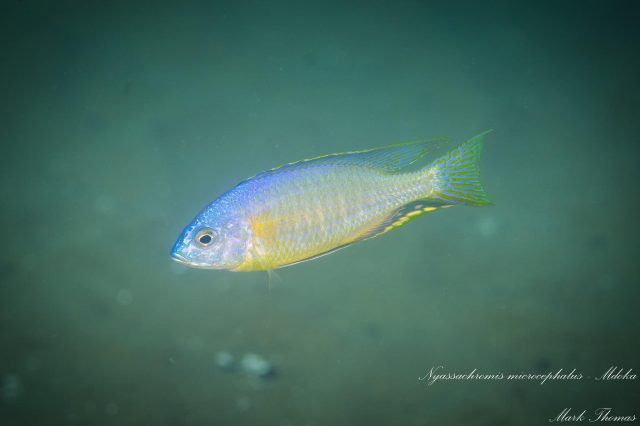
206 236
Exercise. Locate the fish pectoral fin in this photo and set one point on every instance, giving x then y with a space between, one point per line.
402 216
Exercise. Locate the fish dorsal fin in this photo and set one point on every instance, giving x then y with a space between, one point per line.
402 216
391 158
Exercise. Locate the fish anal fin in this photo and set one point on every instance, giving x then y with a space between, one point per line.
402 216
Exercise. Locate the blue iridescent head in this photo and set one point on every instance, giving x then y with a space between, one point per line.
215 239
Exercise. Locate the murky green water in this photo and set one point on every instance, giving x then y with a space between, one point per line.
120 121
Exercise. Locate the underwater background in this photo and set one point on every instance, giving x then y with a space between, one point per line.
121 120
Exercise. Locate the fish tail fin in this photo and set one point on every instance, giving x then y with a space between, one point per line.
455 177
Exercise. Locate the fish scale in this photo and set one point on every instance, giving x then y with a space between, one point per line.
307 222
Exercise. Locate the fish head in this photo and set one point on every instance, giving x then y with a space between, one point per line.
212 241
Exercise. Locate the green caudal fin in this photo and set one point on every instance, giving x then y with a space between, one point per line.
456 175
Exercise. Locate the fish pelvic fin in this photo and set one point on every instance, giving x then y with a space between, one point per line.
455 177
273 278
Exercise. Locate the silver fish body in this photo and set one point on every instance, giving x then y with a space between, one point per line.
306 209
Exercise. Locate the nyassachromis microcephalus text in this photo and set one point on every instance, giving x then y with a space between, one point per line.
313 207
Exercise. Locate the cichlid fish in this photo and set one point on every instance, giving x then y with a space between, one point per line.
313 207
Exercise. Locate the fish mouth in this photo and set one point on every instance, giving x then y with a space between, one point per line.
183 260
179 258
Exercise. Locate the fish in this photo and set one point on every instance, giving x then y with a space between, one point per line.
313 207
